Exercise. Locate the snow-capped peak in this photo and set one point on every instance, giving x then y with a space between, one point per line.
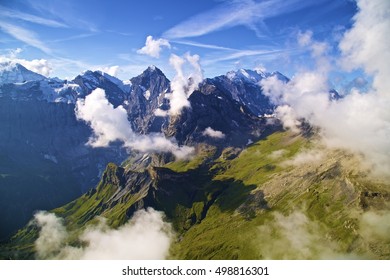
125 86
16 73
253 76
246 75
152 70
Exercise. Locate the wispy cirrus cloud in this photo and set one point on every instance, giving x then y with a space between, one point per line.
247 13
201 45
24 35
13 14
75 37
67 13
236 54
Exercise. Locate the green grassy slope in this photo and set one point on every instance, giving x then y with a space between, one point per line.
284 197
278 210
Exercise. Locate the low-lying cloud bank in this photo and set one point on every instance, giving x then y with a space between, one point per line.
360 121
145 236
110 124
296 236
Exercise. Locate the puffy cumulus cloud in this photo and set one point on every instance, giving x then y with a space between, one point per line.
295 236
40 66
183 85
360 121
213 133
145 236
110 124
153 47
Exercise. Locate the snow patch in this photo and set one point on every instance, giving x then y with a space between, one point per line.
16 73
147 94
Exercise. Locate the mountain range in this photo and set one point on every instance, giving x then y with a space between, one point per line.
251 190
44 157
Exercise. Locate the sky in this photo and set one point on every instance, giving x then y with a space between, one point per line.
64 38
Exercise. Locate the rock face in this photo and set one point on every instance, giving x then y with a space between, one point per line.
147 95
41 138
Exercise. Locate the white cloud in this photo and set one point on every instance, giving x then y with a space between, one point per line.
178 97
160 113
24 35
110 124
277 154
40 66
236 54
366 43
295 236
153 47
375 225
14 53
145 236
305 157
360 121
51 235
305 38
288 117
213 133
112 70
183 85
201 45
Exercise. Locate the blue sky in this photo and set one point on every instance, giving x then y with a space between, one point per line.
73 35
